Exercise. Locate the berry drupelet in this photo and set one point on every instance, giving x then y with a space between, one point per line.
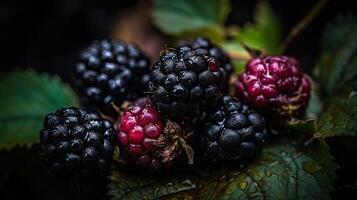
76 141
274 85
111 72
232 131
216 52
184 81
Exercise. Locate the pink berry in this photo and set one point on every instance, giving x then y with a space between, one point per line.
274 84
139 128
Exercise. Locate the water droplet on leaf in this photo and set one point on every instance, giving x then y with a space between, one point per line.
243 185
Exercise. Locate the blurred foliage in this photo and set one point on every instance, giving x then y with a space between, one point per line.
339 117
188 19
26 97
265 34
183 16
336 70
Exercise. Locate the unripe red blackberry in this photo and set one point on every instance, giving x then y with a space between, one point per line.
275 85
184 81
77 141
148 140
109 72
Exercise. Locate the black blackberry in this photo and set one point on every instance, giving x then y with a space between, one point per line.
76 141
216 52
184 80
111 72
232 131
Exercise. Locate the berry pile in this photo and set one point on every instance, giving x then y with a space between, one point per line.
186 110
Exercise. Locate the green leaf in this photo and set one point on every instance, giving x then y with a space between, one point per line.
337 66
233 47
289 168
265 34
25 98
178 17
337 72
339 118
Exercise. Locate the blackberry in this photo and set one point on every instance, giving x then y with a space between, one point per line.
232 131
147 140
275 85
109 72
184 81
216 52
76 141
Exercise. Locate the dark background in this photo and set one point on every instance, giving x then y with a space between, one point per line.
47 35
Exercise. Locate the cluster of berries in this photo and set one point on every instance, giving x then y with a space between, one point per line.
179 102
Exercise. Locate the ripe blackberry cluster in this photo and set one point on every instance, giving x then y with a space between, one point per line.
185 80
77 141
187 102
232 131
275 85
111 72
216 52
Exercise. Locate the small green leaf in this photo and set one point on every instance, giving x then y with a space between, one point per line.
289 168
233 47
178 17
339 118
337 66
25 98
265 33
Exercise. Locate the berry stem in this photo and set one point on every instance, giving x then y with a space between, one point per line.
302 24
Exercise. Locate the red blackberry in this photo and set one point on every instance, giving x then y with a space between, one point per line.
111 72
147 140
184 81
276 85
216 52
76 141
232 131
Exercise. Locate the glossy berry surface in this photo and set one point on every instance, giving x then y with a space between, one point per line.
111 72
232 131
275 85
216 52
184 81
76 141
